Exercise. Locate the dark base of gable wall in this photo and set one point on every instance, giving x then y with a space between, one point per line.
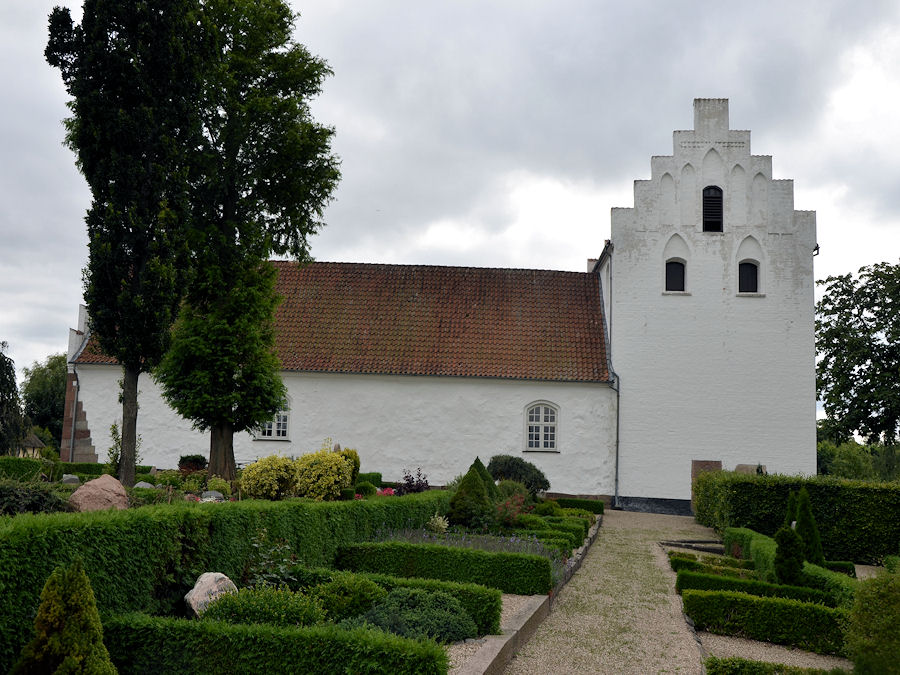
671 507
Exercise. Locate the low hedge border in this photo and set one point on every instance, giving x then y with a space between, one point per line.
678 563
144 645
592 505
688 579
483 604
837 585
578 526
146 559
519 573
20 468
373 477
808 626
738 666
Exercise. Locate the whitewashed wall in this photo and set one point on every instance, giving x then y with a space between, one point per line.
396 423
710 374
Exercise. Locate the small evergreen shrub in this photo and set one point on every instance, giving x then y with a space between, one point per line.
842 566
809 533
788 557
366 489
190 463
489 485
507 467
348 494
351 456
347 596
273 477
219 485
873 637
437 524
373 477
16 497
276 606
892 563
168 478
548 507
470 506
509 488
68 635
417 613
322 475
592 505
790 516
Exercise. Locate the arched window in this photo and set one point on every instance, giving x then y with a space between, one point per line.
748 277
540 426
712 209
675 269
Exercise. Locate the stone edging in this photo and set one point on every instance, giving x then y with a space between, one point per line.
498 650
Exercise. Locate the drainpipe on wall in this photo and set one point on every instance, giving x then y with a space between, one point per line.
615 503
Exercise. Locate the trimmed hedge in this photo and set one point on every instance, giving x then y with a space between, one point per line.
145 645
20 468
519 573
95 468
592 505
687 579
738 666
678 563
578 526
857 520
812 627
373 477
837 585
147 559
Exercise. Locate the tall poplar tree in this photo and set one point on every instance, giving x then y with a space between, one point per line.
131 69
261 179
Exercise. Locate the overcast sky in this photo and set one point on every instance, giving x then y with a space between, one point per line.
501 133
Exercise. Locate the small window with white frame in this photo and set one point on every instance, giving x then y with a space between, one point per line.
541 427
276 429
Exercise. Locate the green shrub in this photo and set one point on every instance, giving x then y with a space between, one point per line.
873 638
351 456
276 606
191 463
508 467
169 478
470 505
837 585
219 485
578 526
557 541
790 516
68 635
20 468
144 645
16 497
273 477
589 516
365 489
809 533
490 486
347 595
548 507
348 494
788 557
680 562
688 579
417 613
842 566
738 666
808 626
592 505
745 543
322 475
509 488
372 477
530 521
519 573
892 563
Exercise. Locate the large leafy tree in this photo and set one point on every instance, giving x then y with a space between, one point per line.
12 425
261 180
44 394
131 69
858 341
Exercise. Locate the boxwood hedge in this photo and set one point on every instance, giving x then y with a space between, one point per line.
147 559
738 666
687 579
521 573
857 520
143 645
592 505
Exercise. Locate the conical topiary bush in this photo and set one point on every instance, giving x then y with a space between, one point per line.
470 505
788 557
808 531
68 635
791 515
493 492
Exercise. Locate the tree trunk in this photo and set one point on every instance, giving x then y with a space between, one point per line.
221 451
128 452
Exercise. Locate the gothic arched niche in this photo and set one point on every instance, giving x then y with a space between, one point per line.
713 167
667 202
737 196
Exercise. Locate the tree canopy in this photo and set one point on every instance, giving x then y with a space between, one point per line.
12 425
44 394
858 342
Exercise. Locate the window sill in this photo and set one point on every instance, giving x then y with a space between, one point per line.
271 440
751 295
546 452
676 293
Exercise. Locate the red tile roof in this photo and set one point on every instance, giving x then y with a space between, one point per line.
429 320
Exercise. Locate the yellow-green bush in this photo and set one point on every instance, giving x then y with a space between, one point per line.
322 475
272 477
352 456
219 485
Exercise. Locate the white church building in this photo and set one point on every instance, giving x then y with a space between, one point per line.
687 345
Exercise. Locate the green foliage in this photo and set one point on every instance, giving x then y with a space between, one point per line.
372 477
857 521
842 566
809 533
273 477
270 561
276 606
44 394
33 497
679 562
114 452
507 467
190 463
688 579
790 516
738 666
352 457
892 563
470 504
418 613
20 468
219 485
789 557
872 637
548 507
592 505
366 489
12 424
856 337
510 488
347 596
509 510
840 587
145 645
322 475
520 573
490 486
68 635
808 626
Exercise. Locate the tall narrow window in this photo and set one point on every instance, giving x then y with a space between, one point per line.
712 209
541 427
748 277
674 275
277 428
